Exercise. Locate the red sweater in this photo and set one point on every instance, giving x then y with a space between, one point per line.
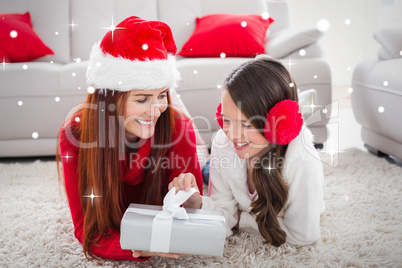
183 159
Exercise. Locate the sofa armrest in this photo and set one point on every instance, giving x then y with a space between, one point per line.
290 40
390 40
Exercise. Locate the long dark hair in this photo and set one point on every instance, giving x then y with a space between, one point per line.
99 166
258 85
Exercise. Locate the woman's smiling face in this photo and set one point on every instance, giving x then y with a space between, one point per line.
247 140
143 108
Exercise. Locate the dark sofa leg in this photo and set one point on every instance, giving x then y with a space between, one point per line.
374 151
391 159
319 146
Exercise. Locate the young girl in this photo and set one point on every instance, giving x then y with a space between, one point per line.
264 172
126 143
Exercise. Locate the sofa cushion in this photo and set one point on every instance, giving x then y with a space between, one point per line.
227 35
311 51
383 54
287 41
390 40
197 72
29 79
180 15
50 19
72 78
19 40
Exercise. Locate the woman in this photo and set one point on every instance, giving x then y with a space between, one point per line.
125 143
264 171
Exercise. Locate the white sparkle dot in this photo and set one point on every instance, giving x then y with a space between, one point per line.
145 47
349 68
291 85
323 25
13 34
74 74
98 64
195 72
56 33
188 23
350 90
381 109
243 24
112 107
315 76
91 89
223 55
324 111
346 198
385 83
302 52
77 119
79 88
219 86
57 99
347 21
35 135
191 49
51 62
120 83
265 15
24 66
400 52
20 103
178 95
77 60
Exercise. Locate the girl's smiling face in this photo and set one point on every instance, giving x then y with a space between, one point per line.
247 140
143 108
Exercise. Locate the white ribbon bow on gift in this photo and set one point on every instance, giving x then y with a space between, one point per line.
172 204
162 223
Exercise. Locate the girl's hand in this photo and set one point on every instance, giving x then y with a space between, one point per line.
185 182
139 253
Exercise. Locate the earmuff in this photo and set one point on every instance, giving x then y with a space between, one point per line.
283 123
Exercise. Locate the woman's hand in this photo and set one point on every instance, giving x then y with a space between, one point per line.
139 253
185 182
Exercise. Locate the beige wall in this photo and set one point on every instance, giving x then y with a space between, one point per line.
345 45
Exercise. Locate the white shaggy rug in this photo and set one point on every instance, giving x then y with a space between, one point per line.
361 227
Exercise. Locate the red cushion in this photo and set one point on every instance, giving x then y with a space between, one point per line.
18 41
234 35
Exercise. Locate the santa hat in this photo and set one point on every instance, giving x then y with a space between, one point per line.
138 54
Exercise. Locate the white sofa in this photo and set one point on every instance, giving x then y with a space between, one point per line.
377 95
38 98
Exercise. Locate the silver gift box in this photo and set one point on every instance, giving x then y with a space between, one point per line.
191 236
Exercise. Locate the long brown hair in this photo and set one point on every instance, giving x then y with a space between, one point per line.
99 167
258 85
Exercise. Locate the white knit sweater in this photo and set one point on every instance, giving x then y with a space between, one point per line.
302 172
